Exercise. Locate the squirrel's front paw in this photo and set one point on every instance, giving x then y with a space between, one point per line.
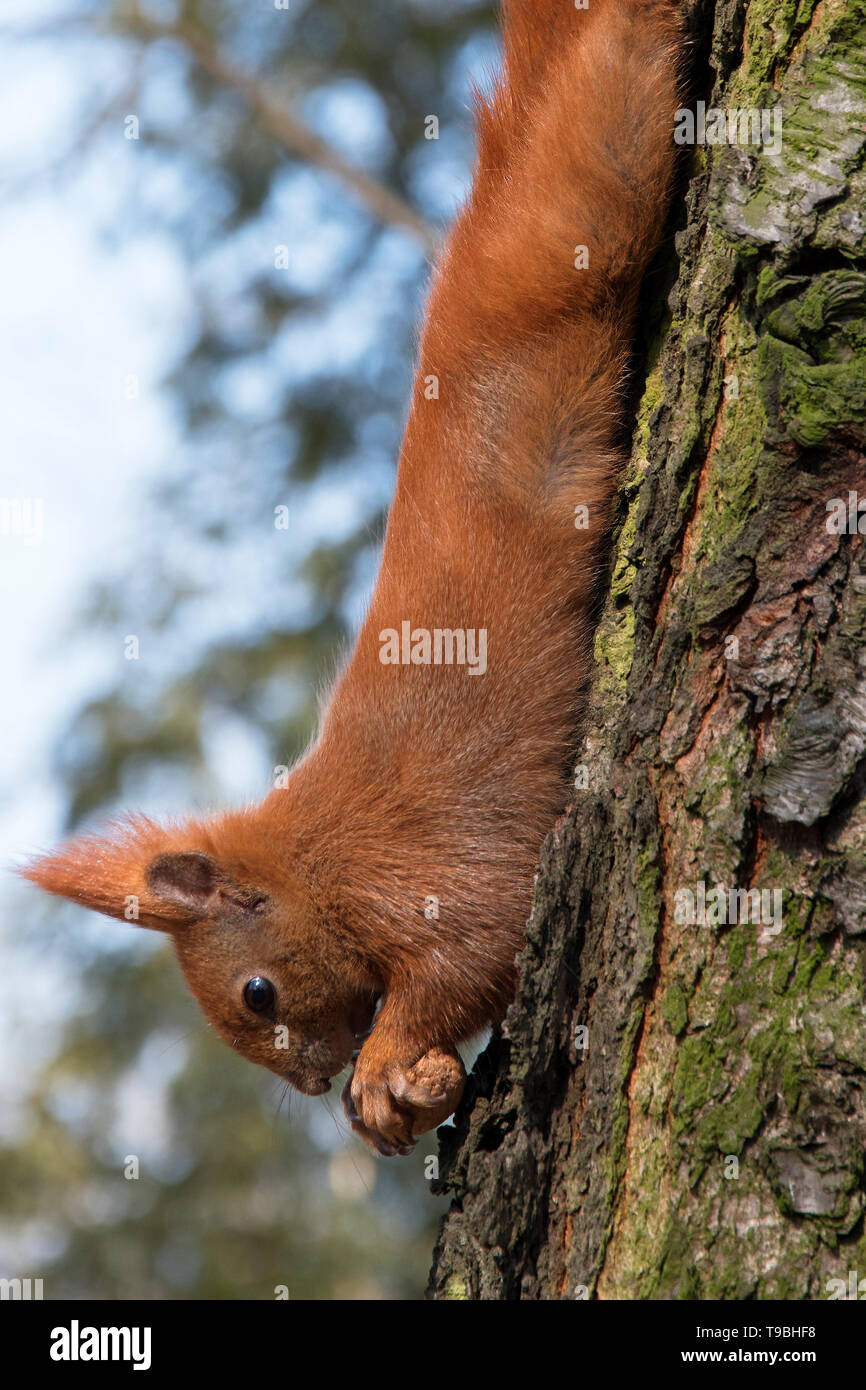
390 1103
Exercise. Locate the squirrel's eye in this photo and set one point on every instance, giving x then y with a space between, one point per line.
258 994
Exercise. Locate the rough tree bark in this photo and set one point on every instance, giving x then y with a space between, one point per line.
705 1137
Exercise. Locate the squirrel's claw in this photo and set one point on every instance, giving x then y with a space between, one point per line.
375 1141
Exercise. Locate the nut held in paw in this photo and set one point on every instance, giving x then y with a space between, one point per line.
442 1076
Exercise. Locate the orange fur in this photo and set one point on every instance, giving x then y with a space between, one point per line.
425 780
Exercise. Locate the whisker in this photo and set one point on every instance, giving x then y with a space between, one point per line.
286 1089
344 1134
174 1042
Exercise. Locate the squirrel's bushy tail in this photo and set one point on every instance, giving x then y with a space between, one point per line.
576 158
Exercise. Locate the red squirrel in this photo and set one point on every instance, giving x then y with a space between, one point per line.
378 900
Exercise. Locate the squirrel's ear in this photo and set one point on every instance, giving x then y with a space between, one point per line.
194 881
187 879
137 873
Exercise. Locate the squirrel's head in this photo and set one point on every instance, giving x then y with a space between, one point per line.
281 986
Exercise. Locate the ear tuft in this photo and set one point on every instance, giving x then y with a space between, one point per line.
108 873
138 873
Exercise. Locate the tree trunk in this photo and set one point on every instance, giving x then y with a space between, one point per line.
676 1105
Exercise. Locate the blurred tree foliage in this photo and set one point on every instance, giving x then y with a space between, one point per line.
290 379
324 344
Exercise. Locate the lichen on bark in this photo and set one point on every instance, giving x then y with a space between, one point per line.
704 1136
